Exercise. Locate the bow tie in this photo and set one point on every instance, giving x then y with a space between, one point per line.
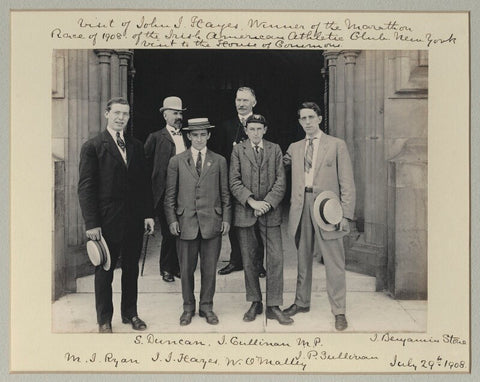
174 132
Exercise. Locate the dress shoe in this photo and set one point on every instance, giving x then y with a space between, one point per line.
177 275
274 313
229 268
340 322
262 273
137 322
211 317
255 308
186 318
105 328
294 309
167 277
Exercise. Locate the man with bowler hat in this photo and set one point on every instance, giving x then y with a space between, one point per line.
116 202
198 213
160 146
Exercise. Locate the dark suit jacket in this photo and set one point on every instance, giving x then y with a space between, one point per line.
197 202
266 182
225 134
111 193
159 148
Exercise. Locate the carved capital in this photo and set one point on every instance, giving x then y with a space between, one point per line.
125 55
350 56
104 55
331 57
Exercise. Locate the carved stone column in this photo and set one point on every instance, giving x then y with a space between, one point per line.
104 56
331 61
125 57
350 60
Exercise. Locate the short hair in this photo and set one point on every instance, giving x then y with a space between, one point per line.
247 89
115 100
309 105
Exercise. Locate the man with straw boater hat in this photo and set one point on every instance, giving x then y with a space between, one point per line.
257 182
198 213
160 146
116 202
322 203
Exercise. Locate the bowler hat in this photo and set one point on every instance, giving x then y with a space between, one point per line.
327 211
198 124
172 103
98 253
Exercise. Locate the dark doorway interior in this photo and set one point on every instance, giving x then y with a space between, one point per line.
207 81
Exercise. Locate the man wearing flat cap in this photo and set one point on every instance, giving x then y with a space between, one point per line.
198 212
320 165
257 182
116 201
160 146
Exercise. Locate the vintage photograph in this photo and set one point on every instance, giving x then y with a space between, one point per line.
239 191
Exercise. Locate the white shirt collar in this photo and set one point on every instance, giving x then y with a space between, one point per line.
259 145
113 133
240 117
195 152
172 129
318 135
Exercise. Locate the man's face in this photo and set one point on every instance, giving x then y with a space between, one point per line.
173 118
310 121
244 102
117 116
199 138
255 132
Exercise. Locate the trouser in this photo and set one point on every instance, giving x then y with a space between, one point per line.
271 238
333 256
168 250
128 249
188 251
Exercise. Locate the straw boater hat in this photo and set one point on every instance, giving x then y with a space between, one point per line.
172 103
198 124
98 253
327 211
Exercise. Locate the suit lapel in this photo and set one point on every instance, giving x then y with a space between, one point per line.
188 158
298 159
267 151
129 148
112 147
322 150
207 164
248 150
167 135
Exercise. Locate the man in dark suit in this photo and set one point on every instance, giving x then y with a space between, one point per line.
257 182
227 135
319 163
160 146
198 211
116 202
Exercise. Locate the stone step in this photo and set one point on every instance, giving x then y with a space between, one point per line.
151 281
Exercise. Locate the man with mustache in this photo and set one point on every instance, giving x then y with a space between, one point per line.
229 134
160 146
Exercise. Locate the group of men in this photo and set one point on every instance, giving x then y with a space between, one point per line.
198 192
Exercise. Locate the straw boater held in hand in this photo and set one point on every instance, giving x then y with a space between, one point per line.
116 203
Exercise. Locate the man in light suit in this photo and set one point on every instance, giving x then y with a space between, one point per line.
226 136
160 146
116 202
257 182
319 163
198 212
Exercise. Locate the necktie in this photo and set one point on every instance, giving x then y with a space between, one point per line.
258 154
198 165
307 164
243 121
120 141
